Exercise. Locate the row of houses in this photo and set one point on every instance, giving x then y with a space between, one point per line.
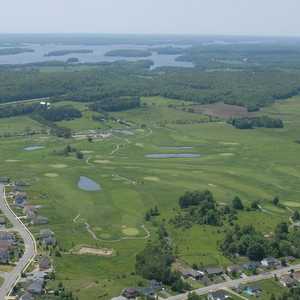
266 263
7 244
30 211
33 284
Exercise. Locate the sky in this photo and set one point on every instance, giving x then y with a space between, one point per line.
200 17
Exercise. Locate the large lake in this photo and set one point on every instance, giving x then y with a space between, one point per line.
98 55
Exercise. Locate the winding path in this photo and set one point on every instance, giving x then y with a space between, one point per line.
11 278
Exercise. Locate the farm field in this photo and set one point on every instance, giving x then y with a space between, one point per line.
254 164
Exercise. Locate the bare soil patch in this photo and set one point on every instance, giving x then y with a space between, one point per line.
223 110
83 250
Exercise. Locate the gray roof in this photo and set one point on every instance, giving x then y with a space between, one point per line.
36 287
219 295
27 296
214 270
46 232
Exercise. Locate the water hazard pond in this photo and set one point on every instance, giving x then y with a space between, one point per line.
33 147
88 185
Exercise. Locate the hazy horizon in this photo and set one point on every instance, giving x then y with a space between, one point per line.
168 17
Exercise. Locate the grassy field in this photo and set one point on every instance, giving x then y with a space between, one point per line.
253 164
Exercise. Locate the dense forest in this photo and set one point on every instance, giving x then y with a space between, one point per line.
247 241
55 114
253 122
115 104
66 52
134 79
247 75
155 262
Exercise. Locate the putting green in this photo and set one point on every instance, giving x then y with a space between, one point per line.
151 178
51 175
227 154
104 161
130 231
58 166
292 203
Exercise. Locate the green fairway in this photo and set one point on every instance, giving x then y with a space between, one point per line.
253 164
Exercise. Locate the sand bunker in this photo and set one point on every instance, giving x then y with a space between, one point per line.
58 166
102 161
151 178
130 231
94 251
51 175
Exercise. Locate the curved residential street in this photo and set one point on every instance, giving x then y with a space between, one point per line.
11 278
235 283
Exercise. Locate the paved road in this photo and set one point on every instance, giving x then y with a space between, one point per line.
237 282
24 101
12 277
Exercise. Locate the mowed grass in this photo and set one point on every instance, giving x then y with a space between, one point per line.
263 163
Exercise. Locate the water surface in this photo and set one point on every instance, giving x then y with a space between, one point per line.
33 147
88 185
98 55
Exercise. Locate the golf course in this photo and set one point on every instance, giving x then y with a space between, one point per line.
161 150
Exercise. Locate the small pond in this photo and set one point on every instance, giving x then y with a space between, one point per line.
87 184
172 155
33 147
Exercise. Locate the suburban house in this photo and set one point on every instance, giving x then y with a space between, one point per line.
218 295
119 298
4 256
296 275
47 237
40 220
44 263
270 262
147 292
2 221
251 266
44 233
287 281
155 285
234 269
26 296
21 199
252 291
214 271
29 211
191 273
130 293
7 236
36 287
4 180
